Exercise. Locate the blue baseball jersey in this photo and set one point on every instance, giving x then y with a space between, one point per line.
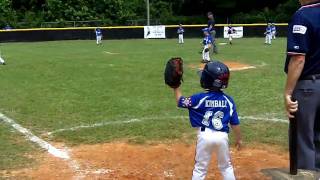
98 32
273 28
268 30
180 30
214 110
231 30
304 38
207 40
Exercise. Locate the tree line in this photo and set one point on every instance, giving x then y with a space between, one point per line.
31 13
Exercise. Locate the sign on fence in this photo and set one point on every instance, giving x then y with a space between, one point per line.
237 34
154 32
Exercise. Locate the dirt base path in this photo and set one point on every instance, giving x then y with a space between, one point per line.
163 161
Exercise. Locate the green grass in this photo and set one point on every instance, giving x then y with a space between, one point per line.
54 85
15 151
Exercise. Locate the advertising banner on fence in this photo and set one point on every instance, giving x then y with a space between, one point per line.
154 32
238 33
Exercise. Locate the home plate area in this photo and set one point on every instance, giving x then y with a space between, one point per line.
120 160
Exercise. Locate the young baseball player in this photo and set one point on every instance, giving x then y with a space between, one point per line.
98 36
273 30
211 112
268 34
2 62
180 32
207 44
231 31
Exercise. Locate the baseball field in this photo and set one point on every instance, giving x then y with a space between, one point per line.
107 114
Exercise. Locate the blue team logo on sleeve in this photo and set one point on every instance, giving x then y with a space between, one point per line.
185 102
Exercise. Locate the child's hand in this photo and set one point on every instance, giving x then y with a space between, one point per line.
238 144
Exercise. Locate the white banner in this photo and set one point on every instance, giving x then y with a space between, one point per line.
237 34
154 32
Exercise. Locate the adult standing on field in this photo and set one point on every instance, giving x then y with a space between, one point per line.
211 26
302 90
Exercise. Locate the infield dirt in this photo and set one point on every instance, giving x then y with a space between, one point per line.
162 161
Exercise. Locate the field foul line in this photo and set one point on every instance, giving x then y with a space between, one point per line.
101 124
111 53
61 154
112 123
33 138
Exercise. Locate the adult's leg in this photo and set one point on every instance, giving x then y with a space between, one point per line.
306 96
317 139
214 45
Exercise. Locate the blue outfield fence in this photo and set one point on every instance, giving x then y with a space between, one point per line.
124 32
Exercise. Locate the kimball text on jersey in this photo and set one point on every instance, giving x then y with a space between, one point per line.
216 103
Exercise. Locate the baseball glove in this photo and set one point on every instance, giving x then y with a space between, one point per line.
206 50
173 72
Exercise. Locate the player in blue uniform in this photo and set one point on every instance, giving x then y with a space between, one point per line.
207 45
212 30
231 31
2 61
211 112
302 91
98 36
268 34
180 32
273 30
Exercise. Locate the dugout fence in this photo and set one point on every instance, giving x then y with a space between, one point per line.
123 32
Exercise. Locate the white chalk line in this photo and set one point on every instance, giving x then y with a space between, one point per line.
111 123
62 154
134 120
59 153
111 53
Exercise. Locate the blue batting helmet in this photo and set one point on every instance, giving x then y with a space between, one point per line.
215 75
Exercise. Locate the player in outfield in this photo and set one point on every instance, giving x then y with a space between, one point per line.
98 36
211 112
2 61
268 34
180 32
